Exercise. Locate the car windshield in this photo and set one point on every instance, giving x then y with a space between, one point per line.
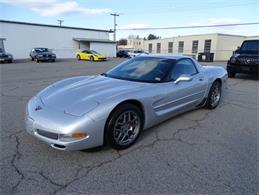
39 50
94 52
142 69
250 46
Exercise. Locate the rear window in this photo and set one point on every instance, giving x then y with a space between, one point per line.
250 46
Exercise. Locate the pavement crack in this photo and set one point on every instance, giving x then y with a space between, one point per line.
15 157
50 180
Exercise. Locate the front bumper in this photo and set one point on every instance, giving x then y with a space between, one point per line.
101 59
46 58
234 68
7 59
56 122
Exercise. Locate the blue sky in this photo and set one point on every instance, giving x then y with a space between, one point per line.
137 13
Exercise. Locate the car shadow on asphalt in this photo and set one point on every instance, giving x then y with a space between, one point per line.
247 77
144 133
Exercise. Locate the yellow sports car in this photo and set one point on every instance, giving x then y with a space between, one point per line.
90 55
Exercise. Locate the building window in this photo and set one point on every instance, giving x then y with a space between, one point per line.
207 46
150 47
195 45
181 46
158 48
170 47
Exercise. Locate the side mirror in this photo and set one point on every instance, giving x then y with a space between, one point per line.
183 77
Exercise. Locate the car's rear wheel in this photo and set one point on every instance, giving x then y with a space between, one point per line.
124 126
78 57
231 74
91 58
36 60
214 95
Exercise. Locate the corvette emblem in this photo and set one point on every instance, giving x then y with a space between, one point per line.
38 108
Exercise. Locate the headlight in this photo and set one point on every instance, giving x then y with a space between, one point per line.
53 55
73 136
233 60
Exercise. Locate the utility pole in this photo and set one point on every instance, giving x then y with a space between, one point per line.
115 15
60 22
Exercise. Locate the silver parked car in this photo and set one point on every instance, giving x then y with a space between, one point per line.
114 107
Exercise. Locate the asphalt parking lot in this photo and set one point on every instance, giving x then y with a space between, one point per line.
202 151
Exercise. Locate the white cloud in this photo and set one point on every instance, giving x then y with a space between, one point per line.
135 26
28 3
54 8
68 8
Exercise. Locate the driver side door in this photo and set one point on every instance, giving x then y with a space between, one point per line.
182 95
85 55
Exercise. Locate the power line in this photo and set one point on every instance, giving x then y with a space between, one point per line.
186 27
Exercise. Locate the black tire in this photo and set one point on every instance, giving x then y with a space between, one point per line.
114 116
91 58
78 57
32 58
53 60
36 60
231 74
210 104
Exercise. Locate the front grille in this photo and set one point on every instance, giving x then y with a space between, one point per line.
249 61
47 134
47 56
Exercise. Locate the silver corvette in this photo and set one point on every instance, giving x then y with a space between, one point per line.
114 107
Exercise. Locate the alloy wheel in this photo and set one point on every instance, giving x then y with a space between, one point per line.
126 128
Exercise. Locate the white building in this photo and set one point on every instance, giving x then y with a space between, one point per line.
21 37
221 45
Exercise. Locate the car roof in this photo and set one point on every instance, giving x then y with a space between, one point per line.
167 56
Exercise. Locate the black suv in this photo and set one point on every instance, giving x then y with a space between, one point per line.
42 54
5 57
122 54
244 59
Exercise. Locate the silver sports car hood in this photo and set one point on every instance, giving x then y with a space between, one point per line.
79 95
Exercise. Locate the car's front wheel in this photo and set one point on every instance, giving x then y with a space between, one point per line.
91 58
214 95
124 126
231 74
78 57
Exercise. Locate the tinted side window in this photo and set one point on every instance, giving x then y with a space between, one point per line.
184 66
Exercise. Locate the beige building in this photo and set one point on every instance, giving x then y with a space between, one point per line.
221 45
133 44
